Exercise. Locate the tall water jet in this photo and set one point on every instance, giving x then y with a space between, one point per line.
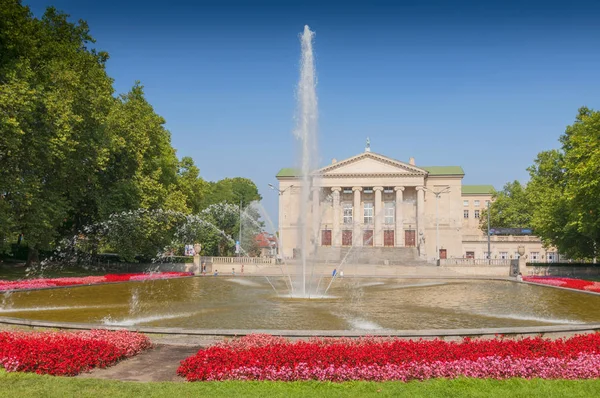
306 132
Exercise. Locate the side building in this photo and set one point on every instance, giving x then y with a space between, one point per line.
370 200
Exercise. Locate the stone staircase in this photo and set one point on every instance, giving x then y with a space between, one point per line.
370 255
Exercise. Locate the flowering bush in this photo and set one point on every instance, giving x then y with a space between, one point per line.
67 353
571 283
262 357
87 280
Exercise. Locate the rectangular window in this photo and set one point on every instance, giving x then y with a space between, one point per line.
466 213
552 257
470 254
347 212
486 255
347 190
534 257
465 203
504 255
368 213
476 215
368 190
476 203
517 255
388 189
487 203
389 211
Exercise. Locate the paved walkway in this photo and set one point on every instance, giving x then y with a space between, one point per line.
157 364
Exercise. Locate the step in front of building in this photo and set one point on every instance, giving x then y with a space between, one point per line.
369 255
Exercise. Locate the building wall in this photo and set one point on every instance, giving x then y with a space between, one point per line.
448 229
475 240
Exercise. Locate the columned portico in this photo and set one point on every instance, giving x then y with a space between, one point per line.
337 234
356 233
399 227
370 200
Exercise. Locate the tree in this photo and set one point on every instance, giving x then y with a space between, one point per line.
510 208
55 95
191 184
72 155
142 168
553 217
233 191
565 187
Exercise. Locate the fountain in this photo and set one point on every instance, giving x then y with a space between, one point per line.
235 305
306 133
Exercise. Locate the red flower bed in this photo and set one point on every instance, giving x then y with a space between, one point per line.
87 280
570 283
67 353
271 358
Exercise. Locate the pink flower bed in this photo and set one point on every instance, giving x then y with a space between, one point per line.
263 357
572 283
67 353
87 280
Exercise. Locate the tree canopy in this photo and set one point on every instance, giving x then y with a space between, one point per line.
561 202
510 208
72 152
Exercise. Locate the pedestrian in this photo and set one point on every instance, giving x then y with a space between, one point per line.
333 273
216 272
203 268
341 273
233 271
520 277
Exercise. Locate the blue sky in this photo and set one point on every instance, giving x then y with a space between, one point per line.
481 84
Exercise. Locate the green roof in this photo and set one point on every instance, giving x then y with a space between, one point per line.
443 170
288 172
477 189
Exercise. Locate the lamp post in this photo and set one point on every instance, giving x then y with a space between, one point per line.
280 238
489 244
437 222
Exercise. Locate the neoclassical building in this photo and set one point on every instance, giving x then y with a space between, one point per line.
371 200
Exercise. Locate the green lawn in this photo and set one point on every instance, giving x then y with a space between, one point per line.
31 385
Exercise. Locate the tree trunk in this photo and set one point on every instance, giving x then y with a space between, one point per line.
32 256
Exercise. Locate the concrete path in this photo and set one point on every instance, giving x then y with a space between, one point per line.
157 364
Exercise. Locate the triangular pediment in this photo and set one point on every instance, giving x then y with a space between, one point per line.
370 163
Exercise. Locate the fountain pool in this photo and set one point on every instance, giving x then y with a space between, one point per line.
353 304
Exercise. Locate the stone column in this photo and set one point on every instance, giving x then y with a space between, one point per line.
197 270
399 231
421 222
378 217
336 232
316 216
356 218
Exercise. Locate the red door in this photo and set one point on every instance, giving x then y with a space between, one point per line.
326 237
410 238
368 238
347 237
388 238
443 254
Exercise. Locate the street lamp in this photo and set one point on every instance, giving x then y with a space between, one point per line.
437 223
281 191
280 237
